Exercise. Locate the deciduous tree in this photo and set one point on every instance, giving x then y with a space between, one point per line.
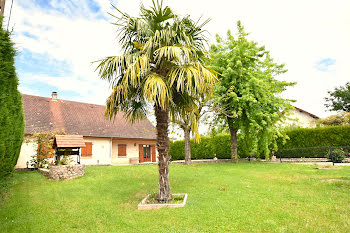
339 99
248 95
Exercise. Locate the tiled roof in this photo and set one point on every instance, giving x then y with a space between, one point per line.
310 114
43 114
69 141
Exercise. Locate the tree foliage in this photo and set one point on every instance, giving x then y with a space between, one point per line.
162 66
339 99
337 119
248 96
44 147
11 110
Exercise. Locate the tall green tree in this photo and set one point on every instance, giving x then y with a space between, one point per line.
339 99
11 110
162 66
248 96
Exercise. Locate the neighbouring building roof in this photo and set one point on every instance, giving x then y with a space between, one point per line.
76 118
310 114
69 141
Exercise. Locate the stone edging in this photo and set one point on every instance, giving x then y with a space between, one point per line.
144 206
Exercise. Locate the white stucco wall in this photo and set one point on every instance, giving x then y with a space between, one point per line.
132 149
101 151
300 119
104 151
28 150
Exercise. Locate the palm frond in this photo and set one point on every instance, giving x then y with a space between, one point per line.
156 90
180 54
194 78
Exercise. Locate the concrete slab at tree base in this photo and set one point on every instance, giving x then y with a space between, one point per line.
144 206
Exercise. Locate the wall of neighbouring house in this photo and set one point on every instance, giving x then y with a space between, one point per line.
132 150
28 150
301 119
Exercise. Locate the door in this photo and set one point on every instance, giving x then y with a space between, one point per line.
147 153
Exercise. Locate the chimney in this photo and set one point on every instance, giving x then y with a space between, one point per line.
54 95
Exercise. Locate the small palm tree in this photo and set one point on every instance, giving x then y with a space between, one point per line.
162 66
187 118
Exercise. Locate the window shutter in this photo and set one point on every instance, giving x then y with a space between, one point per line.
140 153
87 150
121 150
153 152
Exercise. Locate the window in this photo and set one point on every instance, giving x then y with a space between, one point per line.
121 150
87 150
146 151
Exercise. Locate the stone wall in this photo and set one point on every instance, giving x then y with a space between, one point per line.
64 172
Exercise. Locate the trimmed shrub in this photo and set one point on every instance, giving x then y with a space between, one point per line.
313 142
297 146
315 137
218 145
11 110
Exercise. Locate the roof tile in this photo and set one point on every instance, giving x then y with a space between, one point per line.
76 118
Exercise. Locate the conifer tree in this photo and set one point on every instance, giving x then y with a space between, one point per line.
11 110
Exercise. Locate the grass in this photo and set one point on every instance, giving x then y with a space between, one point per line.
176 199
244 197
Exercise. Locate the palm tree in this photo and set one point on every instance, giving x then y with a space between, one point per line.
187 118
162 66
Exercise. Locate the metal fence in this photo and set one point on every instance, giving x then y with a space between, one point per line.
310 152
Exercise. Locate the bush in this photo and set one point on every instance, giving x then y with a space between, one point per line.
337 155
209 147
315 137
203 150
298 146
313 142
11 110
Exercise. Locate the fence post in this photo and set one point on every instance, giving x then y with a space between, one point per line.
280 157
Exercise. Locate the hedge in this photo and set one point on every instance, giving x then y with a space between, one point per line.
313 142
315 137
301 138
11 110
208 147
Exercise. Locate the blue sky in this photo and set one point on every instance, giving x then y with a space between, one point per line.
325 65
57 40
37 65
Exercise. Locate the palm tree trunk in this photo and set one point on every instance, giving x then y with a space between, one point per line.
162 117
233 134
187 132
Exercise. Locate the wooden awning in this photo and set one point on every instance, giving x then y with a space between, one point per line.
69 141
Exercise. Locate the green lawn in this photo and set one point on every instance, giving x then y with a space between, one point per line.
244 197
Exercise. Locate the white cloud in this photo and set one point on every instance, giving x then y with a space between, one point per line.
298 33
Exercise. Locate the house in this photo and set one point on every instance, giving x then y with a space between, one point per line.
106 142
301 118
